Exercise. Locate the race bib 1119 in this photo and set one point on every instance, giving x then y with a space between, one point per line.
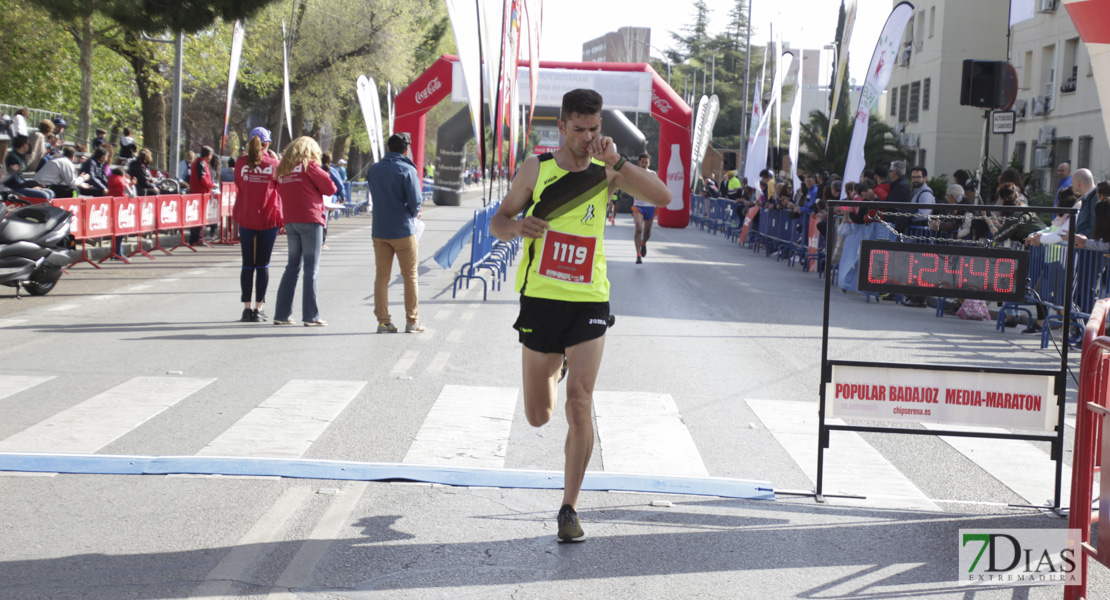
567 257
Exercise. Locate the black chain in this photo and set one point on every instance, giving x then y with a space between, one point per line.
902 237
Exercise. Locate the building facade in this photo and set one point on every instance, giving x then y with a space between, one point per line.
627 45
1057 112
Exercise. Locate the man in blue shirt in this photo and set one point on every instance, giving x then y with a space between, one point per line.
1063 172
395 188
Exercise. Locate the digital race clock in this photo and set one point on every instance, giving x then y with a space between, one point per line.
950 271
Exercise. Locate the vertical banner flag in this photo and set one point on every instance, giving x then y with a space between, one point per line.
368 102
232 75
778 100
464 24
1092 21
713 109
752 169
878 76
698 132
285 97
750 161
1022 10
534 9
795 125
841 64
507 71
389 105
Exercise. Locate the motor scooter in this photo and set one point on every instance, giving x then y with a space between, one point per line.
34 246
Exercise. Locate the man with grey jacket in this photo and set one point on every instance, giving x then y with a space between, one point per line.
395 188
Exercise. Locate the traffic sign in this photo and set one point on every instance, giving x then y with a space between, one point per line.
1002 121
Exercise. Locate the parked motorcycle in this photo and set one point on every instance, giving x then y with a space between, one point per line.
34 246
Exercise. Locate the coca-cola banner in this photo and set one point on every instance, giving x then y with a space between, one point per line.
212 209
98 217
169 212
125 211
192 206
227 198
148 208
621 90
73 205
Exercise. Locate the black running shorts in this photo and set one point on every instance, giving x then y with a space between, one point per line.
550 326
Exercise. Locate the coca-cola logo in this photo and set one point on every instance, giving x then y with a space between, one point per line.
433 87
676 175
125 216
98 218
661 104
192 211
147 215
169 212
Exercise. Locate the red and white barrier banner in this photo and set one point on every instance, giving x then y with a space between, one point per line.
98 217
148 208
125 211
77 223
169 212
192 206
212 209
907 395
227 198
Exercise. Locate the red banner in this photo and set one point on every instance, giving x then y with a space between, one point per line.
169 212
192 206
227 198
148 208
77 224
212 209
98 217
125 211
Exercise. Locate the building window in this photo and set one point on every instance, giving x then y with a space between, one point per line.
932 20
1083 155
903 102
915 100
920 28
925 88
1027 71
1048 69
894 101
1019 155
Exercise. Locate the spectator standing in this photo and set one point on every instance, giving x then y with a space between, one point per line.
921 194
882 183
341 166
200 182
227 174
14 163
184 167
325 163
1100 239
302 185
128 149
1057 232
139 170
19 122
99 139
61 177
1083 183
257 210
395 187
1063 173
94 168
733 186
37 141
899 188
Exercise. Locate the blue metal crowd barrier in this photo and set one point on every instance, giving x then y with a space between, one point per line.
486 253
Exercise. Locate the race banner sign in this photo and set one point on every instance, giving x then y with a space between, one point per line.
952 397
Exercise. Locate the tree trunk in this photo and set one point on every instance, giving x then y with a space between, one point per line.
84 62
152 99
298 121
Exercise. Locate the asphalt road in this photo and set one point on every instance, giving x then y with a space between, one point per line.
716 350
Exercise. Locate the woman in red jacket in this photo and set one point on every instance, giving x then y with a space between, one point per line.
257 210
200 182
302 184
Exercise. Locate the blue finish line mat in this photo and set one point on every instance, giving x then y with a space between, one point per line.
109 464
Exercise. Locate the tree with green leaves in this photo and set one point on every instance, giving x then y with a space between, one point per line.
881 145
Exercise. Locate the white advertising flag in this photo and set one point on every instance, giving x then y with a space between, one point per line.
285 97
841 64
464 17
232 75
1021 10
368 102
878 76
795 126
698 132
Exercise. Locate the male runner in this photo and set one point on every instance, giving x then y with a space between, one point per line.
643 214
564 291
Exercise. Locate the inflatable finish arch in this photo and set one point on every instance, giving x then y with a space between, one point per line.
672 113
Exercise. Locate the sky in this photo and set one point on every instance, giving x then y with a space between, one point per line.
806 24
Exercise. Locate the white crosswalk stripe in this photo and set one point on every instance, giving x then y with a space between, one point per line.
644 433
287 423
11 385
467 426
100 420
852 466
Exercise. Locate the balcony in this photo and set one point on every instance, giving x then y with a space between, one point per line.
1068 86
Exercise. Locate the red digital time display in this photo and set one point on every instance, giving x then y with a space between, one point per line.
937 270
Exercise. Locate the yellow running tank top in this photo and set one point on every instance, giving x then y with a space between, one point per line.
568 262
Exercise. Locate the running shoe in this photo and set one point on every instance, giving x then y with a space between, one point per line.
258 316
639 260
570 529
643 249
563 370
387 328
283 321
248 315
316 323
414 328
